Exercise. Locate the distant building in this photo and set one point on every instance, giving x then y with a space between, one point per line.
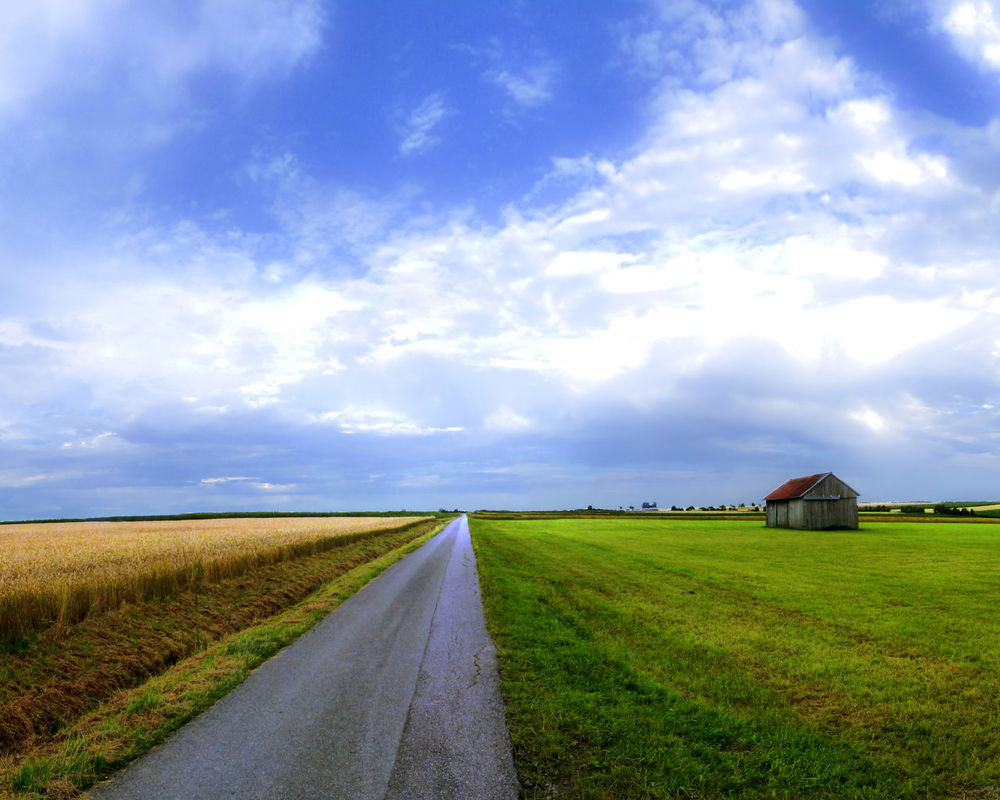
815 502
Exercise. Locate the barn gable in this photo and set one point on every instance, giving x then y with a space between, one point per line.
814 502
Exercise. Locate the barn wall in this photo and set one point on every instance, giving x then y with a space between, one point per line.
777 513
812 514
829 486
797 514
817 515
849 513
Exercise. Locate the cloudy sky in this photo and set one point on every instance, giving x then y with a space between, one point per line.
308 255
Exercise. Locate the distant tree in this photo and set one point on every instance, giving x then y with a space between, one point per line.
953 511
590 508
948 511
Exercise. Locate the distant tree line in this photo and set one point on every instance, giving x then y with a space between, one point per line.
746 507
942 509
953 511
652 506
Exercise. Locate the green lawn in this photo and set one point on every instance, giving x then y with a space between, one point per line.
675 658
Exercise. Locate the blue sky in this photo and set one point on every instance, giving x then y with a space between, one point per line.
315 255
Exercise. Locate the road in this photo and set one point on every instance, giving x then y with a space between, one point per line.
393 695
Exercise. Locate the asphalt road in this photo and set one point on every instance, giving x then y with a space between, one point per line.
393 695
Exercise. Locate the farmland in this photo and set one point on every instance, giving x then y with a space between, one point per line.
80 698
64 571
713 658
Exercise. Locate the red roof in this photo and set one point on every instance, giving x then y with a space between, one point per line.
796 487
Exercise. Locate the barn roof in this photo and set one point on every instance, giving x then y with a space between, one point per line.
796 487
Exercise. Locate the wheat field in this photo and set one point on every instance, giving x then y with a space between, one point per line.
61 572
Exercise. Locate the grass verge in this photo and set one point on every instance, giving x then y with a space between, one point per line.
81 751
709 659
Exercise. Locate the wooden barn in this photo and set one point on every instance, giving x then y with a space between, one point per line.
813 503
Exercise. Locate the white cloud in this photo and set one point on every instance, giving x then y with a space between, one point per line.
17 479
54 46
974 26
274 487
534 294
506 420
100 440
570 264
530 87
253 40
422 481
383 423
526 77
893 166
417 132
868 114
649 278
869 418
34 38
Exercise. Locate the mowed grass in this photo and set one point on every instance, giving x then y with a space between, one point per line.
61 572
675 658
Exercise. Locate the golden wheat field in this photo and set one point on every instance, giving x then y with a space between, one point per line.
63 571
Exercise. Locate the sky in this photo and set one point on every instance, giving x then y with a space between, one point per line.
310 255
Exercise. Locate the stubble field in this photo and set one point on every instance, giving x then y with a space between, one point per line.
674 658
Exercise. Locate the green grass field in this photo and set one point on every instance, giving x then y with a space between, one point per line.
674 658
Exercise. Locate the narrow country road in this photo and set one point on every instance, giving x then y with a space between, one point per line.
393 695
